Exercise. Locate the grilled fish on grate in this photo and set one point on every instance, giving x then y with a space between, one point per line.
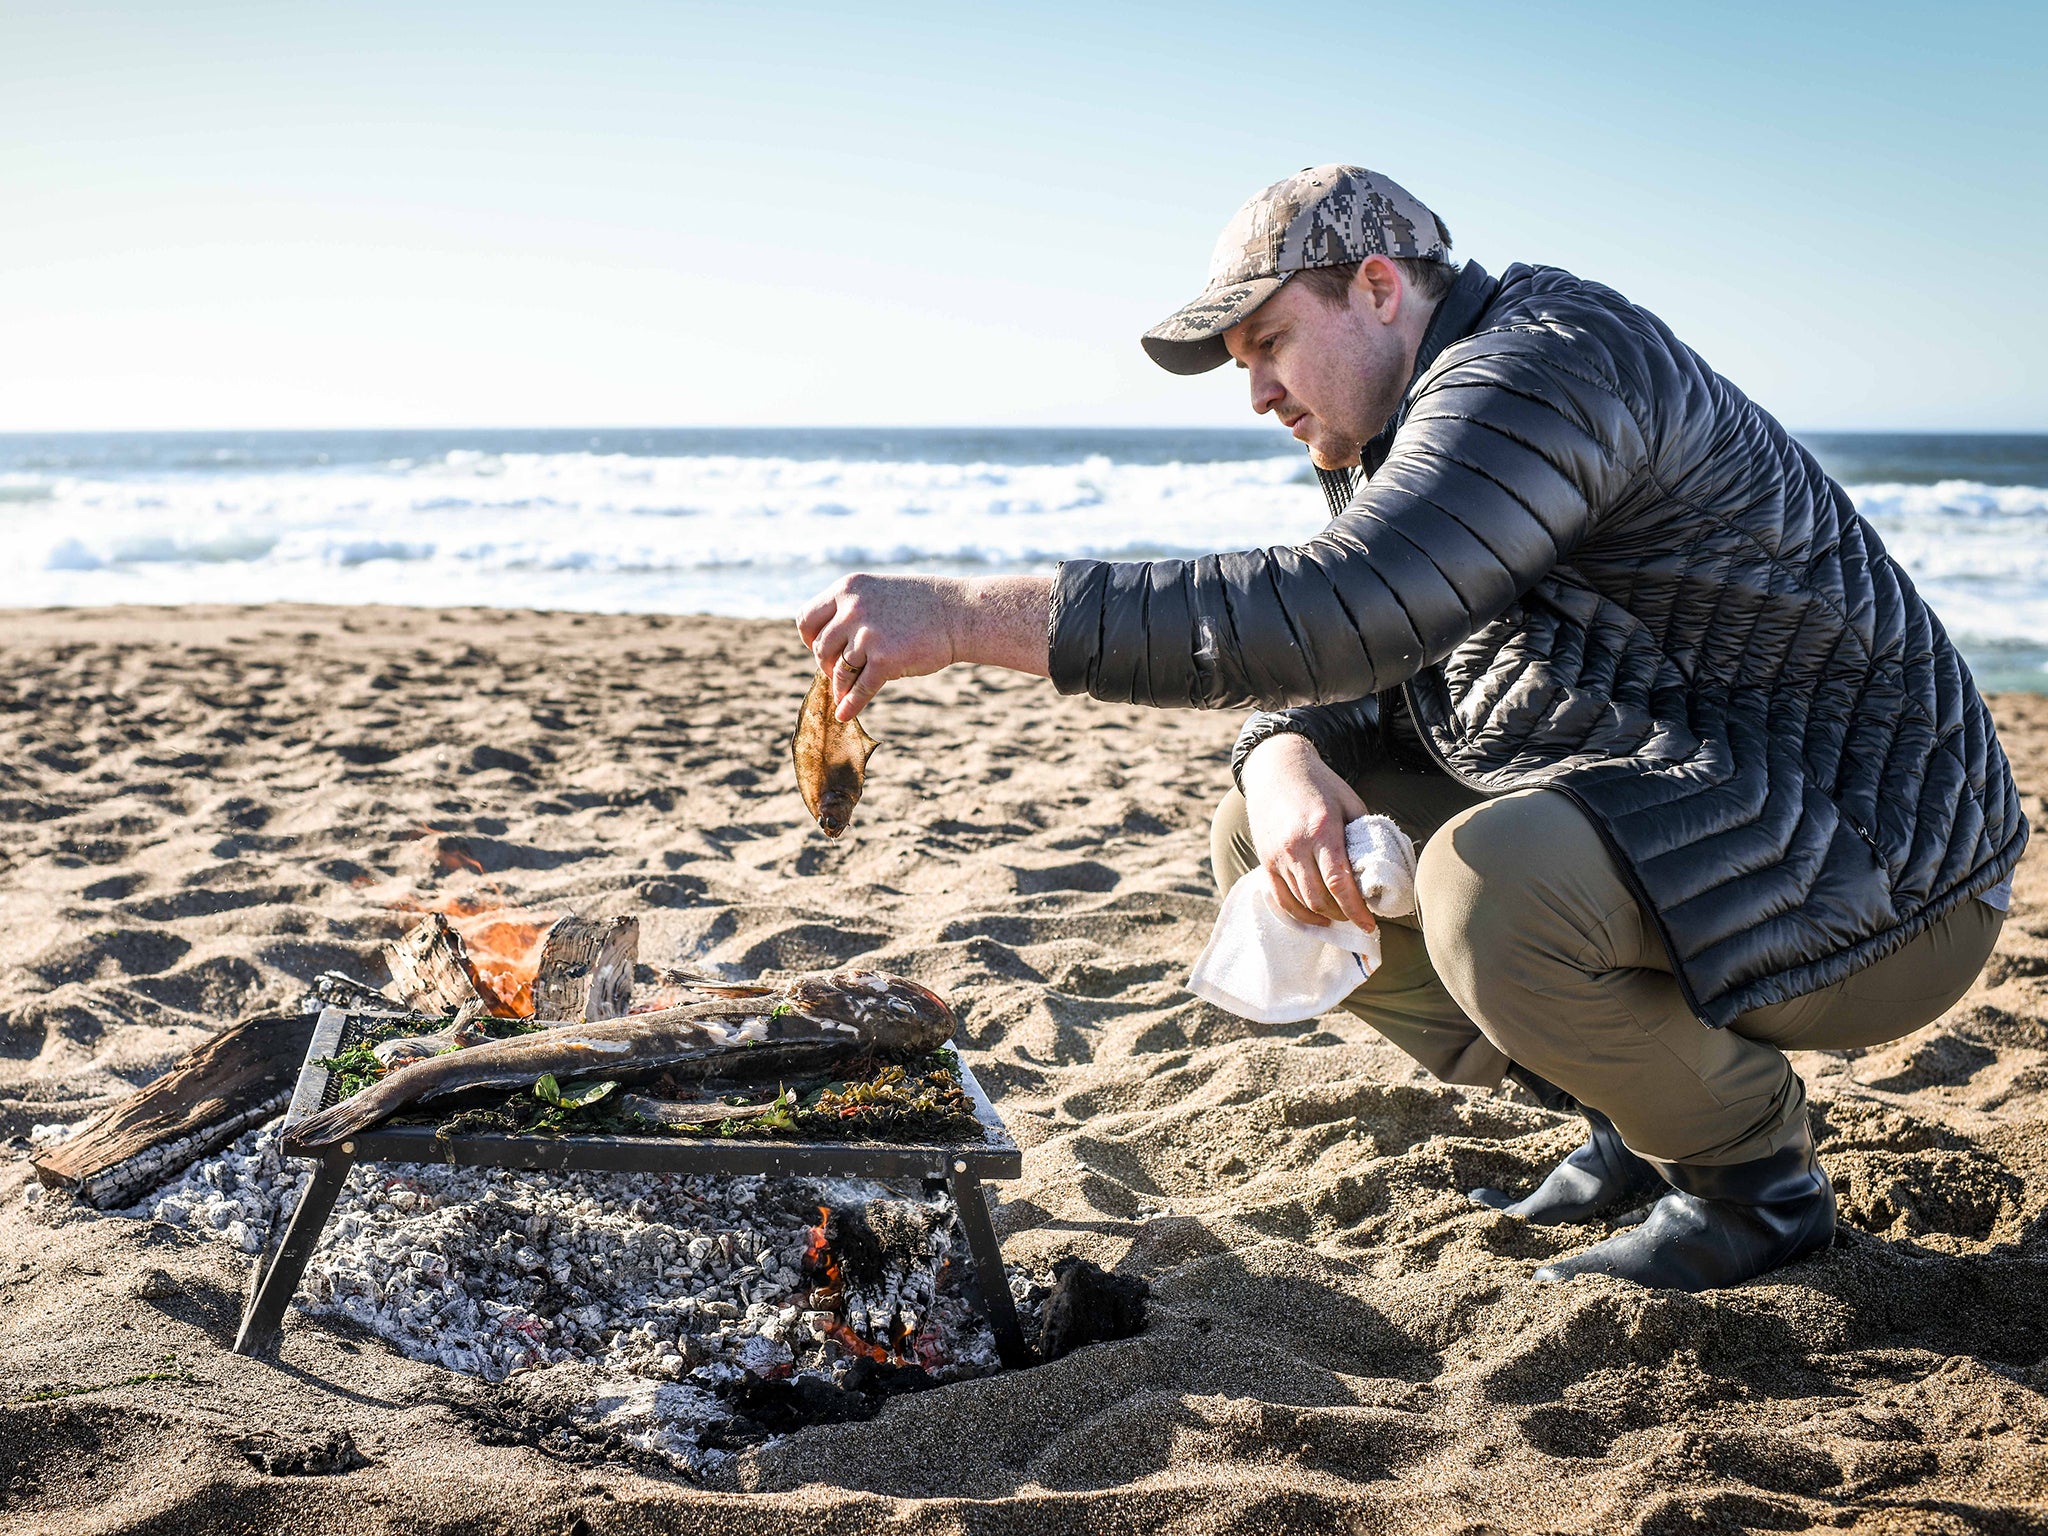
807 1024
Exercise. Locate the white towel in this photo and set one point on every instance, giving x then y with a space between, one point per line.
1273 969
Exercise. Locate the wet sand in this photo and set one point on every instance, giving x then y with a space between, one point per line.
200 809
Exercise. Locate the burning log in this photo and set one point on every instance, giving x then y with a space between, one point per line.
238 1079
586 969
430 967
880 1265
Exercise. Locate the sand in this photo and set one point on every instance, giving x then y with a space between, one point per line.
201 809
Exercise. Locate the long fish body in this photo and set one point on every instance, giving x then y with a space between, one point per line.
809 1023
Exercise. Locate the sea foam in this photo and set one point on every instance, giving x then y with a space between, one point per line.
756 534
613 531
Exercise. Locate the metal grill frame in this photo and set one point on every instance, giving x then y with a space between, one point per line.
961 1168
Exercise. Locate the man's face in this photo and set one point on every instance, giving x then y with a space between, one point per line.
1333 373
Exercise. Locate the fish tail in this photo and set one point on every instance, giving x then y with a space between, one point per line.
357 1113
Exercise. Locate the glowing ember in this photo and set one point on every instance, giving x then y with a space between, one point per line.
906 1346
854 1344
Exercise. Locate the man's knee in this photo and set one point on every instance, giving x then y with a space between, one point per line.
1231 853
1493 859
1510 891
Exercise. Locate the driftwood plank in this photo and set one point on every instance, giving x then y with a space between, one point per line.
430 969
216 1091
586 969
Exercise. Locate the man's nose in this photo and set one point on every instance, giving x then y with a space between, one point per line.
1266 391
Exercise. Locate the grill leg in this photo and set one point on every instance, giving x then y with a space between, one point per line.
277 1278
987 1254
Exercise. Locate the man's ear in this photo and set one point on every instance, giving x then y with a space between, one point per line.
1380 288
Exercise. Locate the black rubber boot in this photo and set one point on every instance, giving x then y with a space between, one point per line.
1601 1175
1719 1226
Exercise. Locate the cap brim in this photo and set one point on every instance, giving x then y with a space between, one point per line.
1190 340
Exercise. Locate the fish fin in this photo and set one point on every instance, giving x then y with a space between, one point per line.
467 1032
863 743
715 986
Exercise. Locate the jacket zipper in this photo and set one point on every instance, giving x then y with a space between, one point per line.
1628 874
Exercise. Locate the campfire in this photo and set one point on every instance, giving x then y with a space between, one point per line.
505 950
700 1310
762 1273
510 964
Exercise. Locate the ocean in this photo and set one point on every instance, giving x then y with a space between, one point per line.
754 521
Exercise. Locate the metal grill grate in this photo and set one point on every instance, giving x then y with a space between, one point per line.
960 1165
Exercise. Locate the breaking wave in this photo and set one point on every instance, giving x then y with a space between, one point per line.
755 533
720 533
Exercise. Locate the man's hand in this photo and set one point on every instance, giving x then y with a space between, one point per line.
1298 810
869 630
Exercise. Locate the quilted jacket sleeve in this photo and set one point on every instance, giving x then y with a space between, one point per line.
1513 445
1346 736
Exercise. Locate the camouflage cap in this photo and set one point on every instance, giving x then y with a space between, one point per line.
1325 216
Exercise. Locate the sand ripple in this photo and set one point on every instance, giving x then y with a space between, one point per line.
201 809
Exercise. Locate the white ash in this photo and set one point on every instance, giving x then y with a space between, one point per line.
236 1193
146 1170
661 1278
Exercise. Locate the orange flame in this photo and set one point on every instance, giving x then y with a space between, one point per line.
848 1340
452 859
504 947
818 1250
504 944
503 939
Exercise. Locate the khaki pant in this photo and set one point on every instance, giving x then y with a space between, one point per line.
1527 947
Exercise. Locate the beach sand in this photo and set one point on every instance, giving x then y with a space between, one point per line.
201 809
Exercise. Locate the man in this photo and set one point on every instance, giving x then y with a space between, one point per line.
1696 776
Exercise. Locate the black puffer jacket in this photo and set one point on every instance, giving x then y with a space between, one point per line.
1585 560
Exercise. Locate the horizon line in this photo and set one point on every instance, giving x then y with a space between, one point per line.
766 428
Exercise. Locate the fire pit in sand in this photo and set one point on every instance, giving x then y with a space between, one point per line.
938 1127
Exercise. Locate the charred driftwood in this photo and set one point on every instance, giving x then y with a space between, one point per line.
1090 1305
240 1078
431 969
586 969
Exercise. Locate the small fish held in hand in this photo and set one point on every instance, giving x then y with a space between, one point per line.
831 757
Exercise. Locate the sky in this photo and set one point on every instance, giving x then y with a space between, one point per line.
288 215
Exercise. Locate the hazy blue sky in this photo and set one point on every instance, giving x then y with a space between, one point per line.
221 215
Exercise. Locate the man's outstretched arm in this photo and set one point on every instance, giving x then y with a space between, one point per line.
869 630
866 631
